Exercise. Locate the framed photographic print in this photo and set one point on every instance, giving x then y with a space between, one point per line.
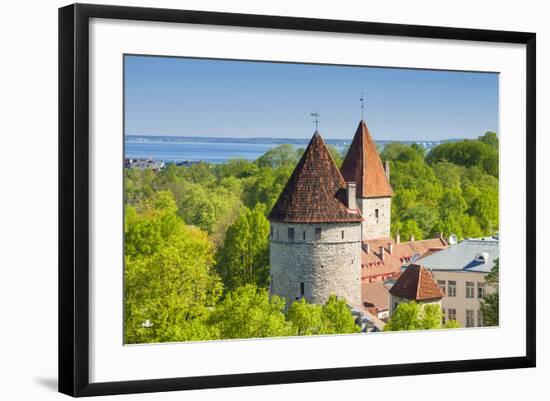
250 199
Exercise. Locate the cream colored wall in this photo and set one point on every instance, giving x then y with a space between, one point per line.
460 302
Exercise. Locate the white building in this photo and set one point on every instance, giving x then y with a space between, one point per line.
460 272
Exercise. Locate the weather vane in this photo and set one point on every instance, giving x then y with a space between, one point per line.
362 99
316 115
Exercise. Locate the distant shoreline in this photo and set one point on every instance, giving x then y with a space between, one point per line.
205 139
219 150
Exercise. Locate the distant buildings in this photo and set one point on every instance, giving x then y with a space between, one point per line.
460 272
144 164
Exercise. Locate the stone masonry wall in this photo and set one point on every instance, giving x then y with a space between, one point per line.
374 227
330 265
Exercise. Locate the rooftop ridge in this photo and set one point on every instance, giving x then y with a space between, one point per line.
363 166
315 191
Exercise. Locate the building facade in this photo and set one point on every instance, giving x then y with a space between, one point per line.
460 272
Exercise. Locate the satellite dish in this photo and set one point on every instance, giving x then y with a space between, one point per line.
453 239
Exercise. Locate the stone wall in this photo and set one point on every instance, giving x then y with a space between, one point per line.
375 227
325 266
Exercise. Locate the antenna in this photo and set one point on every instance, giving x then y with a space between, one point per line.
316 116
362 99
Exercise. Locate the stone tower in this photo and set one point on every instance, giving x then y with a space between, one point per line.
315 238
363 166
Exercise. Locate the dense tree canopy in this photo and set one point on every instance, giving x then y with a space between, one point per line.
437 194
169 278
244 256
197 240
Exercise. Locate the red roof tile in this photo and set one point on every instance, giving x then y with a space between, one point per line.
373 265
416 283
315 192
363 166
375 295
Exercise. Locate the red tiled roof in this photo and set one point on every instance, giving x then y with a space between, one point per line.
363 166
315 192
373 265
416 283
375 295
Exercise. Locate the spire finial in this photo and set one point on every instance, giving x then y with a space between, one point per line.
362 99
316 116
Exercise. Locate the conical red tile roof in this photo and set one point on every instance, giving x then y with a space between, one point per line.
416 283
363 166
315 192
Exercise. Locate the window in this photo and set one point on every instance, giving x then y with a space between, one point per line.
302 289
318 232
470 289
304 236
271 231
443 317
376 213
451 314
291 233
441 284
480 290
469 318
479 319
451 289
342 234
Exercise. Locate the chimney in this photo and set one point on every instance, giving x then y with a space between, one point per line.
350 195
387 169
412 238
397 238
366 247
390 248
381 252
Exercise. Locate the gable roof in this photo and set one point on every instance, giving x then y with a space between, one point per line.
315 192
416 283
363 166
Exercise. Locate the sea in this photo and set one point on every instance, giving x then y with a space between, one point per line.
218 150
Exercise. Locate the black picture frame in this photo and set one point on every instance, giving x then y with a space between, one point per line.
74 198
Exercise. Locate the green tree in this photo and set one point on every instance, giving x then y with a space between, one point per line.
244 256
266 186
336 155
279 156
397 151
169 280
490 138
466 153
305 318
417 316
336 317
490 302
249 312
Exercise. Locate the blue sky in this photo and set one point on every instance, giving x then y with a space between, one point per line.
219 98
